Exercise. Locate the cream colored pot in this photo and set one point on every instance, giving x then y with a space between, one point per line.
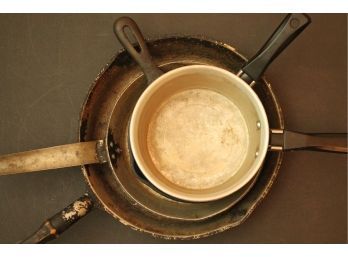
200 133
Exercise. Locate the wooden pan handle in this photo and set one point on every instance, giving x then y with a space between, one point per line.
61 221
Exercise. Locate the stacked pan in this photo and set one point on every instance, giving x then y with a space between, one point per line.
179 137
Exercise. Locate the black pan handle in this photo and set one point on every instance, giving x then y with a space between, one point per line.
288 30
284 140
142 57
61 221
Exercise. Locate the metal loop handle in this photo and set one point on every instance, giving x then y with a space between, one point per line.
142 57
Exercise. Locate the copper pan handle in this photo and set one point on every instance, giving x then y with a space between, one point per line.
53 157
284 140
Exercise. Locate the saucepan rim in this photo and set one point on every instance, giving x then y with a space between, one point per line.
245 88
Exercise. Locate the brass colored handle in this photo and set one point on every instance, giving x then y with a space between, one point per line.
53 157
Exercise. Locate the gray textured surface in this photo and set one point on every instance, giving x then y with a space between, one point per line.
47 63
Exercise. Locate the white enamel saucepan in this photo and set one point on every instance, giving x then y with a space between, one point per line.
199 133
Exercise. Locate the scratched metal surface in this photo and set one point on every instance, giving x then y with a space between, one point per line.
47 63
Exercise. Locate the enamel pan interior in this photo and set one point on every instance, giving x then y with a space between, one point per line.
199 133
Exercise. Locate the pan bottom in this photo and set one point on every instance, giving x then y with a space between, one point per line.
197 138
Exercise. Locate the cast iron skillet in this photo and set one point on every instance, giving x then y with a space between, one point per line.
168 53
107 151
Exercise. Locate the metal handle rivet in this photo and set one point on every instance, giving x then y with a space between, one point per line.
258 125
294 23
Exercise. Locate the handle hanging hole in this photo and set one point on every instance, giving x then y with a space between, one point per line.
131 38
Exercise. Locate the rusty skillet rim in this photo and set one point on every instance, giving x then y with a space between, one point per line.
102 205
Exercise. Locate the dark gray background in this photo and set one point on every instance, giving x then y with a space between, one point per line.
48 62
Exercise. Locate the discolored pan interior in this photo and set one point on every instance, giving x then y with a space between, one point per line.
118 88
199 133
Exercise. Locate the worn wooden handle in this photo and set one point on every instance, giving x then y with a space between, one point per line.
61 221
53 157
